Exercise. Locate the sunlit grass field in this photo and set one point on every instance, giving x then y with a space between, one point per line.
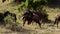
28 29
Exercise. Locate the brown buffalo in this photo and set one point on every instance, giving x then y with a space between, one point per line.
57 19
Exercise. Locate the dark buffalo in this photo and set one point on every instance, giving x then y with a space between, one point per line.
34 16
12 14
31 18
57 19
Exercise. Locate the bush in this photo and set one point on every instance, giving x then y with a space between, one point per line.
33 4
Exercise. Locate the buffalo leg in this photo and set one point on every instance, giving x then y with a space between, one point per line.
57 23
39 24
24 22
29 22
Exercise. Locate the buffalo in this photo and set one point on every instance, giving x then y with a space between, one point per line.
34 16
57 19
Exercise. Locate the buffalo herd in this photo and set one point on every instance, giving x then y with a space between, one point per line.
38 17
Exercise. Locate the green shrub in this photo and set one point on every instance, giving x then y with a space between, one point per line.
32 4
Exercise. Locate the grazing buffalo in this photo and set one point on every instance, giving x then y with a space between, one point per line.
34 16
57 19
12 14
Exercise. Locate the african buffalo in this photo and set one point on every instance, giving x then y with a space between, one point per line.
57 19
34 16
